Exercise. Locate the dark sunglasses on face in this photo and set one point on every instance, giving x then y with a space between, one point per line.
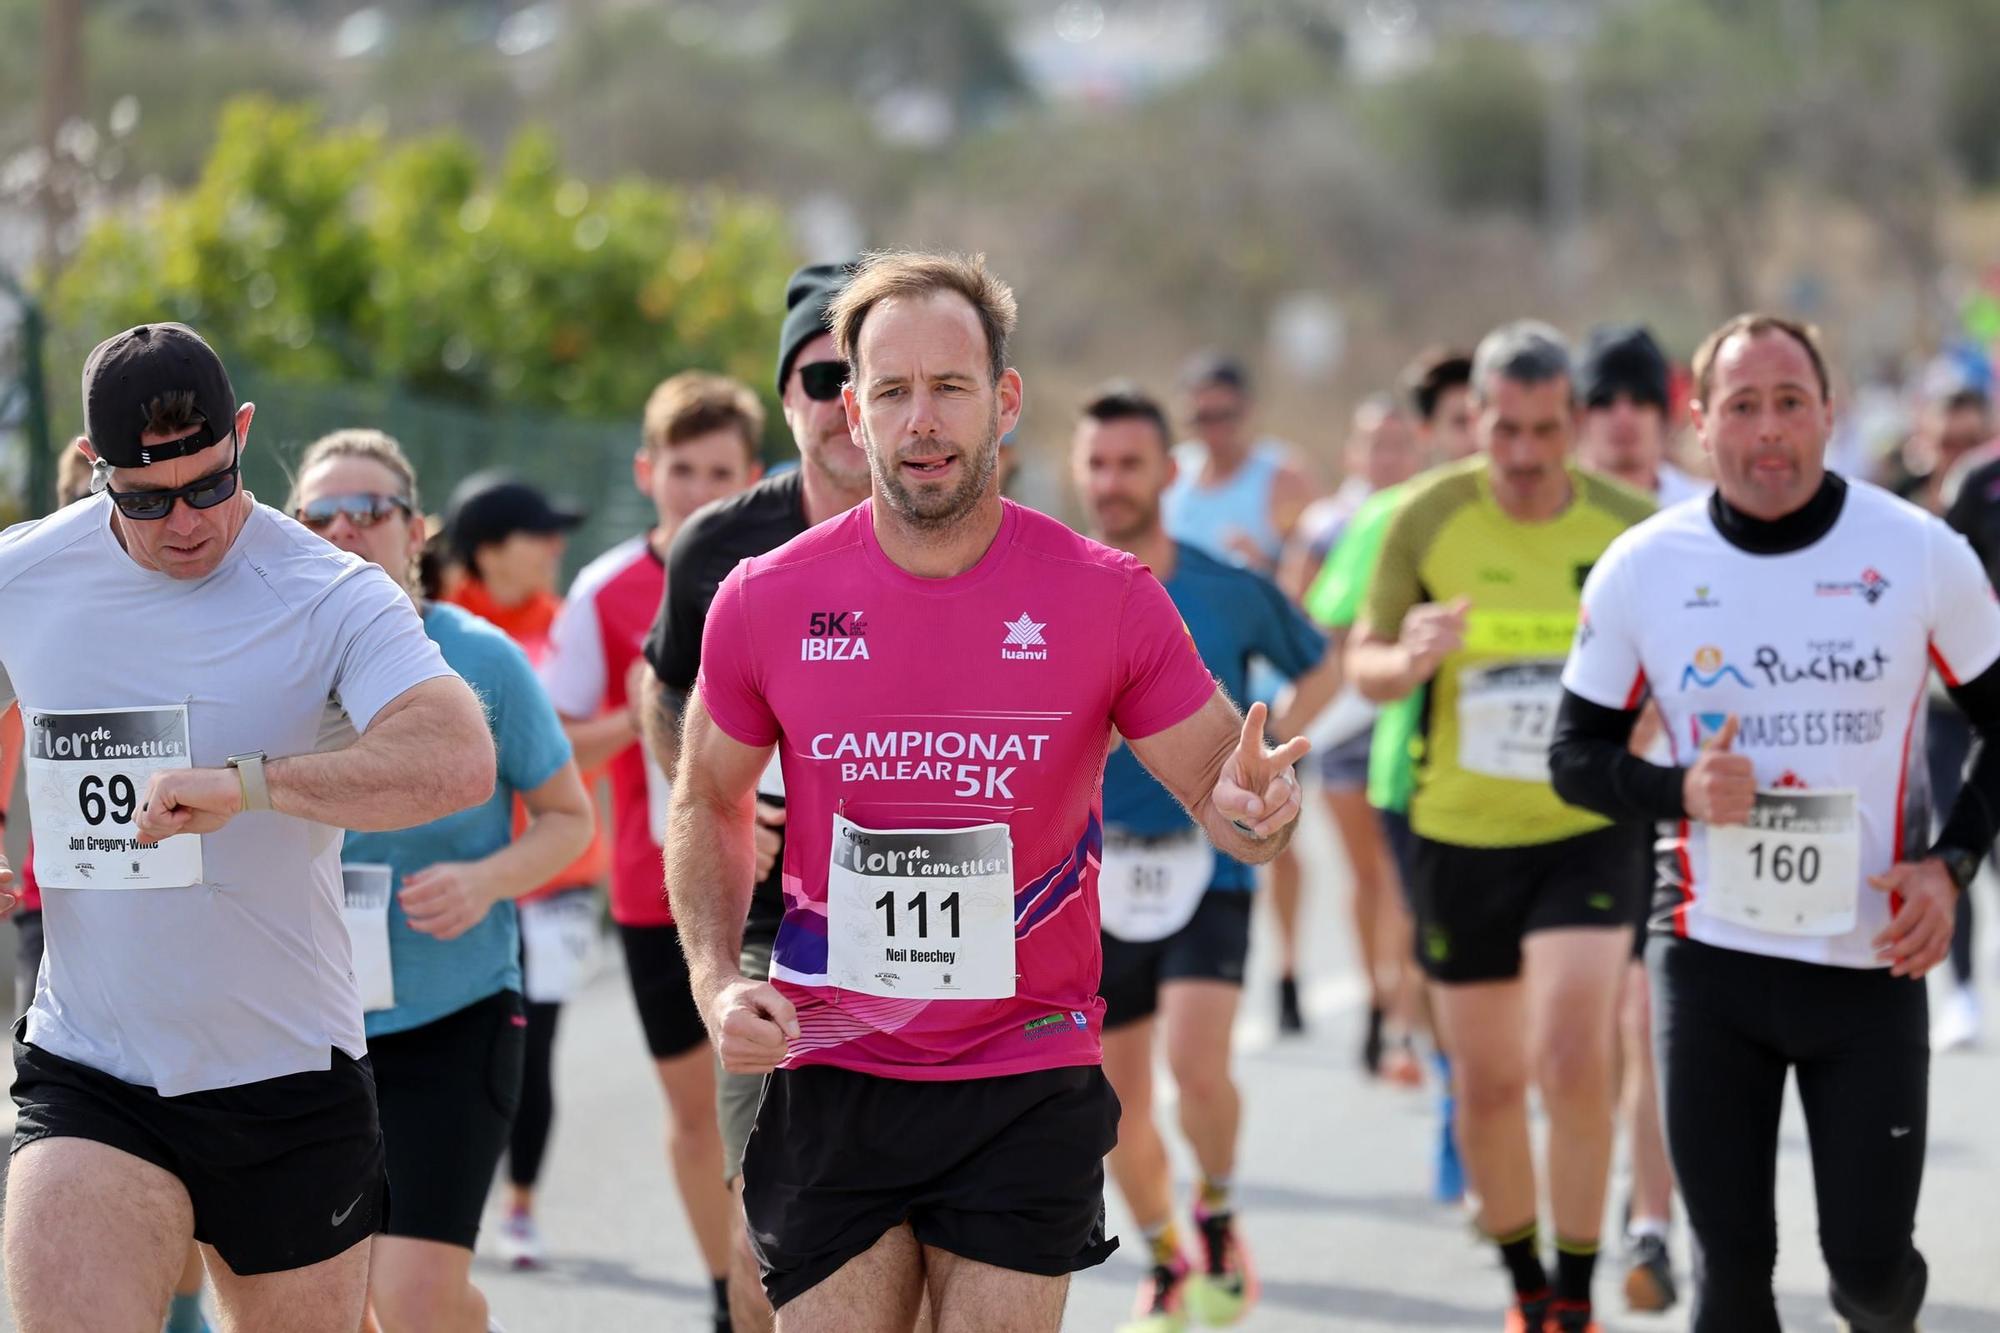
822 380
362 509
201 493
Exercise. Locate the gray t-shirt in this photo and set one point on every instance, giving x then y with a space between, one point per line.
231 964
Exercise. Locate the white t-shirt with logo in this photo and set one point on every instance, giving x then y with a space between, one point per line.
224 960
1821 654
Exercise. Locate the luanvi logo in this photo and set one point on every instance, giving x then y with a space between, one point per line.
1024 642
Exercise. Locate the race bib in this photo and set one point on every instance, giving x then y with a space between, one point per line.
558 934
365 907
1148 888
1793 869
921 914
1506 718
87 774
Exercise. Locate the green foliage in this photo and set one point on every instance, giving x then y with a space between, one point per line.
1472 123
334 255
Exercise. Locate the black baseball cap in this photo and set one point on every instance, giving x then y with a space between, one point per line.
1622 358
490 507
125 373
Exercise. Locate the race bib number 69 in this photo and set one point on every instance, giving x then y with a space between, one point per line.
87 772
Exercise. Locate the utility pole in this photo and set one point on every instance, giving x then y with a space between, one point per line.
62 102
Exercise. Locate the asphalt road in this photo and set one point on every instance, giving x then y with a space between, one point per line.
1332 1186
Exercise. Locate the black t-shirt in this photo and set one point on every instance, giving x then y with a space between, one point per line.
714 540
1975 512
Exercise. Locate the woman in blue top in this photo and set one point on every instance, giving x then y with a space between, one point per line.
447 1050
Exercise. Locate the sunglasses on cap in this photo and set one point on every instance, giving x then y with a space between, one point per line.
201 493
363 509
822 379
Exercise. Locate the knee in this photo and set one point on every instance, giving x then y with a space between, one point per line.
412 1300
1202 1082
1484 1091
1574 1067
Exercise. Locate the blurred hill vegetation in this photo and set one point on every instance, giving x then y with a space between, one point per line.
1670 160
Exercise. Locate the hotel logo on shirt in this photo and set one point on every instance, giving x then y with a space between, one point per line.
1024 642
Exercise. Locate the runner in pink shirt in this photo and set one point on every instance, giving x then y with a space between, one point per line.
936 1117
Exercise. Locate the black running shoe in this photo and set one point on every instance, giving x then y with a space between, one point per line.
1291 1020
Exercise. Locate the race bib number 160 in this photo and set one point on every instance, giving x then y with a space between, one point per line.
87 774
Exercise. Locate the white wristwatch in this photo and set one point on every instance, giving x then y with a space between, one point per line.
250 772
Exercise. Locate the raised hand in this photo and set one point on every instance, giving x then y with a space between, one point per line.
1256 789
1721 788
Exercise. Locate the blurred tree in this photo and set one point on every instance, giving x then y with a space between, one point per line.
333 255
1472 124
880 47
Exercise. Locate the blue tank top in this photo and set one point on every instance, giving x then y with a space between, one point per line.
1234 616
1209 517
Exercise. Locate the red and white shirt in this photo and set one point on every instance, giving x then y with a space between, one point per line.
1821 654
592 645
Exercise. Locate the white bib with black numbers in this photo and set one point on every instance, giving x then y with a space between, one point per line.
1148 888
1794 868
921 914
1506 718
87 775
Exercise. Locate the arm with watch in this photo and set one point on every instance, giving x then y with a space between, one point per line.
1242 793
425 754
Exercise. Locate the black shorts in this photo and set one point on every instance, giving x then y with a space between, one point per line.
283 1173
448 1091
1007 1171
658 971
1344 767
1474 905
1212 946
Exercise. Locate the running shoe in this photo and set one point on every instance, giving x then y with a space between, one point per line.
1570 1317
1448 1184
521 1242
1400 1066
1291 1019
1225 1287
1527 1317
1957 1025
1649 1275
1160 1307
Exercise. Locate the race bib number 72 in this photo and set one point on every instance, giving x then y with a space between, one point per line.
87 774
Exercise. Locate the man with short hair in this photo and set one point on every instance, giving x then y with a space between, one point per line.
1438 387
1623 384
183 814
698 443
832 477
1236 496
1524 906
1175 913
936 1119
1785 630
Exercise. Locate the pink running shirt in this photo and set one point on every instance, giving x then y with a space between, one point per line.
904 702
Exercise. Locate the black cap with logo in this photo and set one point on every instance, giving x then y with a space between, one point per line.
489 507
125 374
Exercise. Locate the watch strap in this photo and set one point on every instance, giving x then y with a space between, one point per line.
250 772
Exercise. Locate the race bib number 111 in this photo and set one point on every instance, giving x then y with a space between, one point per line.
87 774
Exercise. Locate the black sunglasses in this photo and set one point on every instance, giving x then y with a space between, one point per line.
363 509
201 493
822 380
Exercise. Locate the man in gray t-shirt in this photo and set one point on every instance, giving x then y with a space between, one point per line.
193 1062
